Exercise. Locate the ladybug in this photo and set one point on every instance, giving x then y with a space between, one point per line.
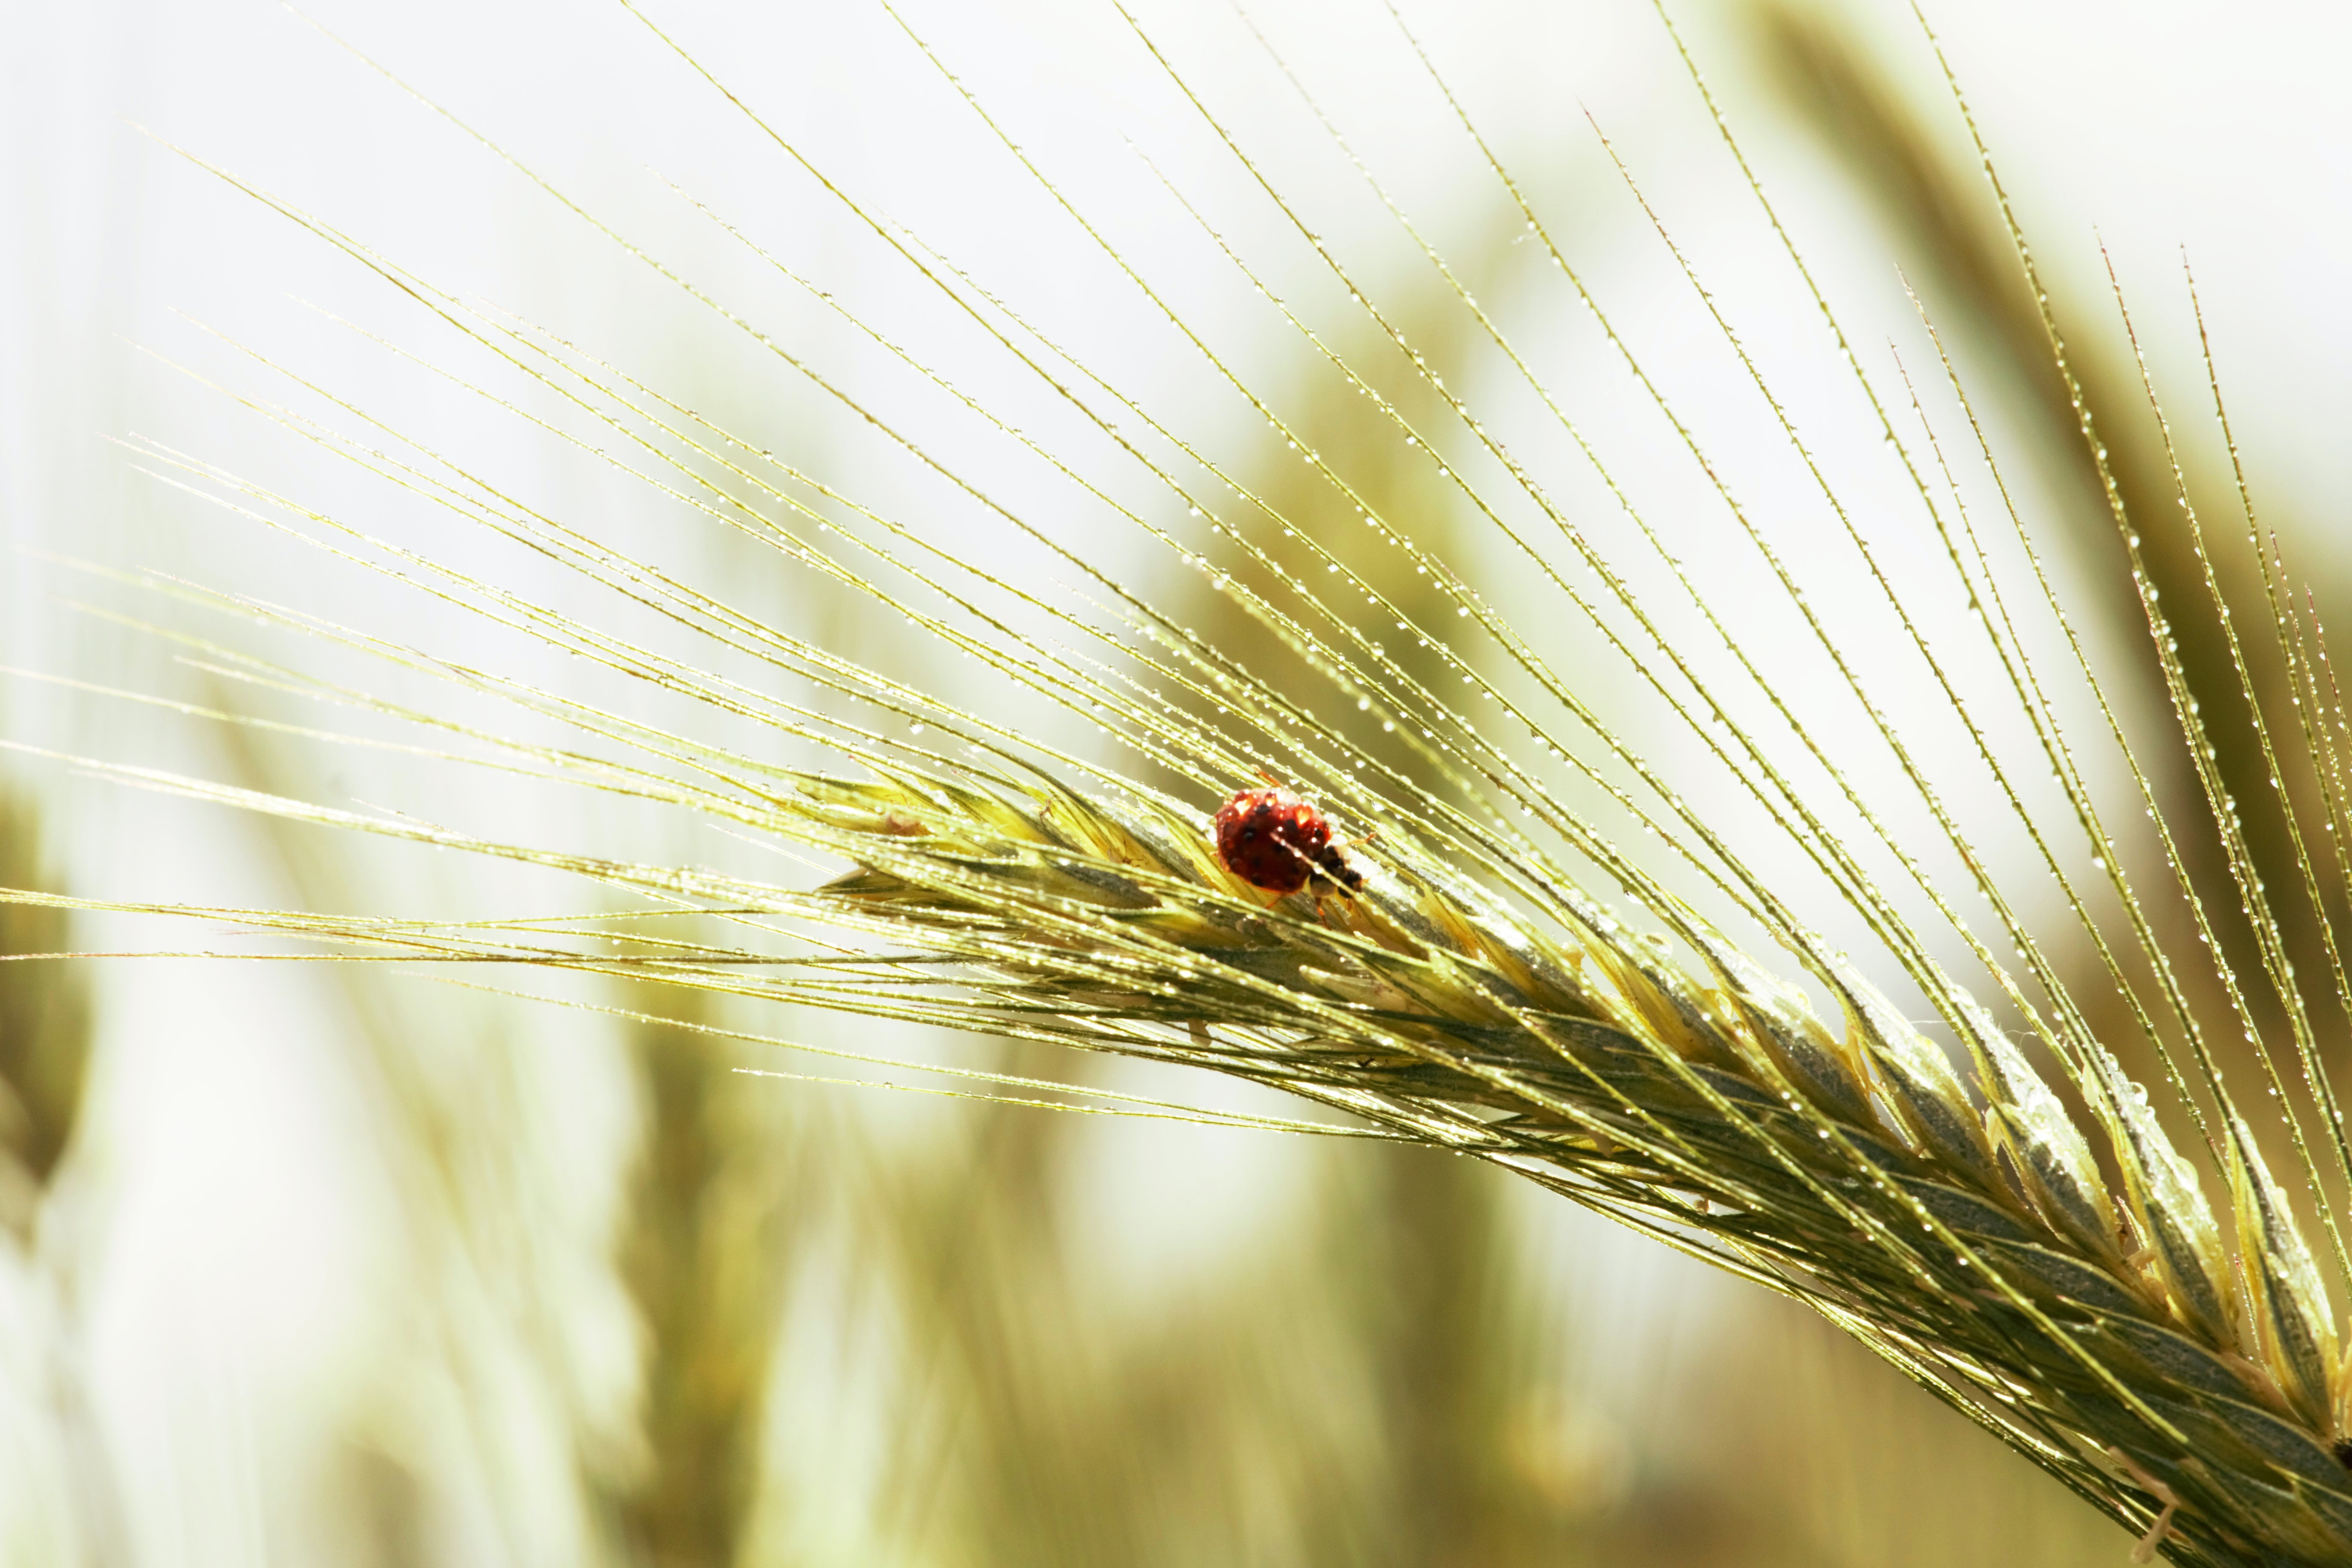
1273 839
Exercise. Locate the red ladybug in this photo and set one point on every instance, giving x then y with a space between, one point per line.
1271 839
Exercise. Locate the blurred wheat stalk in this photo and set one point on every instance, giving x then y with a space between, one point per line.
66 1507
2056 1274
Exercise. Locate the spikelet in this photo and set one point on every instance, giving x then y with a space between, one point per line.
2294 1328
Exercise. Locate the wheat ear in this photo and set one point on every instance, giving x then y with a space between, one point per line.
1964 1229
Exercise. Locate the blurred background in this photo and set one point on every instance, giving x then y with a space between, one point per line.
344 1265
